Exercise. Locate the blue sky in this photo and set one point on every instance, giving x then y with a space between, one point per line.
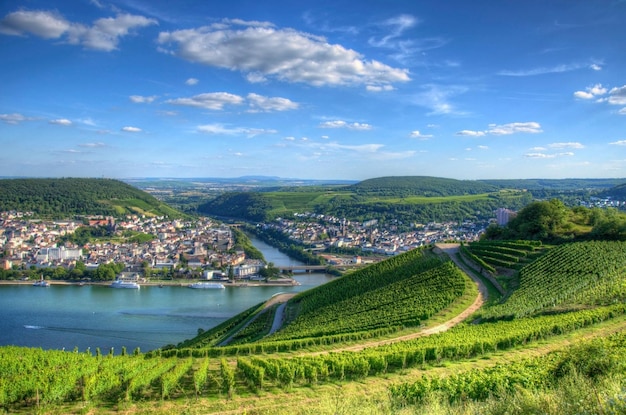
315 90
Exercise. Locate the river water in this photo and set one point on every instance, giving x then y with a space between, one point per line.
65 317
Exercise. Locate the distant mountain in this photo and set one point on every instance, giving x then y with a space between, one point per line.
251 182
63 197
421 186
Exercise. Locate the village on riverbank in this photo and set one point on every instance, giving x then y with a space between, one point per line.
174 252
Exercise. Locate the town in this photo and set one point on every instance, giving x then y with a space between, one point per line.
199 244
203 247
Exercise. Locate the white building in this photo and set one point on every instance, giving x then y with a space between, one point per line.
58 254
503 216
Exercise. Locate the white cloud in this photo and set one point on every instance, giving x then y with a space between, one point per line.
437 98
138 99
566 145
255 78
545 70
515 127
591 92
48 25
260 103
93 145
539 155
289 138
87 121
220 129
362 148
14 118
403 47
596 67
417 134
622 111
483 147
505 129
617 96
106 32
379 88
210 100
103 35
618 143
61 121
538 149
471 133
398 25
191 81
130 129
583 95
283 54
548 156
343 124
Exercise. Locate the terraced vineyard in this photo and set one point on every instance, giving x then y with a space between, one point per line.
572 289
584 273
506 254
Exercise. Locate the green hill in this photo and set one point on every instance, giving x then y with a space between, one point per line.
65 197
399 199
617 193
402 186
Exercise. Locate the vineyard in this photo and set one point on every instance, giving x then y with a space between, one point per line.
582 273
569 289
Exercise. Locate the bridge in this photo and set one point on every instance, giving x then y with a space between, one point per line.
303 268
313 268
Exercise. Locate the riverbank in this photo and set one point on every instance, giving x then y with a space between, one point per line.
285 282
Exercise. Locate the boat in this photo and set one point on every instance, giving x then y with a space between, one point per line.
41 283
124 284
207 285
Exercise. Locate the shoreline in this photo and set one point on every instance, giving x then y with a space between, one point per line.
282 283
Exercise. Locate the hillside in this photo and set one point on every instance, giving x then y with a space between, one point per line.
398 199
365 341
617 193
65 197
402 186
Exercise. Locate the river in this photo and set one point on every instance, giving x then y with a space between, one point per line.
90 316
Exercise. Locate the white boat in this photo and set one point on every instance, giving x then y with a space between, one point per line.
41 283
207 285
125 284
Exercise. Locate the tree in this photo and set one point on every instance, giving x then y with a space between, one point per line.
539 220
269 271
146 269
612 225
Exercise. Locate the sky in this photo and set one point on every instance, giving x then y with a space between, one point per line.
502 89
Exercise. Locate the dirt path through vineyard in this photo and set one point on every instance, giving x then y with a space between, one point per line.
449 249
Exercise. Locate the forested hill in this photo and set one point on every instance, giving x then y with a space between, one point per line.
617 192
420 186
62 197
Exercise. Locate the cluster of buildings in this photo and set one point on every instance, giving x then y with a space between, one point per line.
201 243
604 203
322 231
